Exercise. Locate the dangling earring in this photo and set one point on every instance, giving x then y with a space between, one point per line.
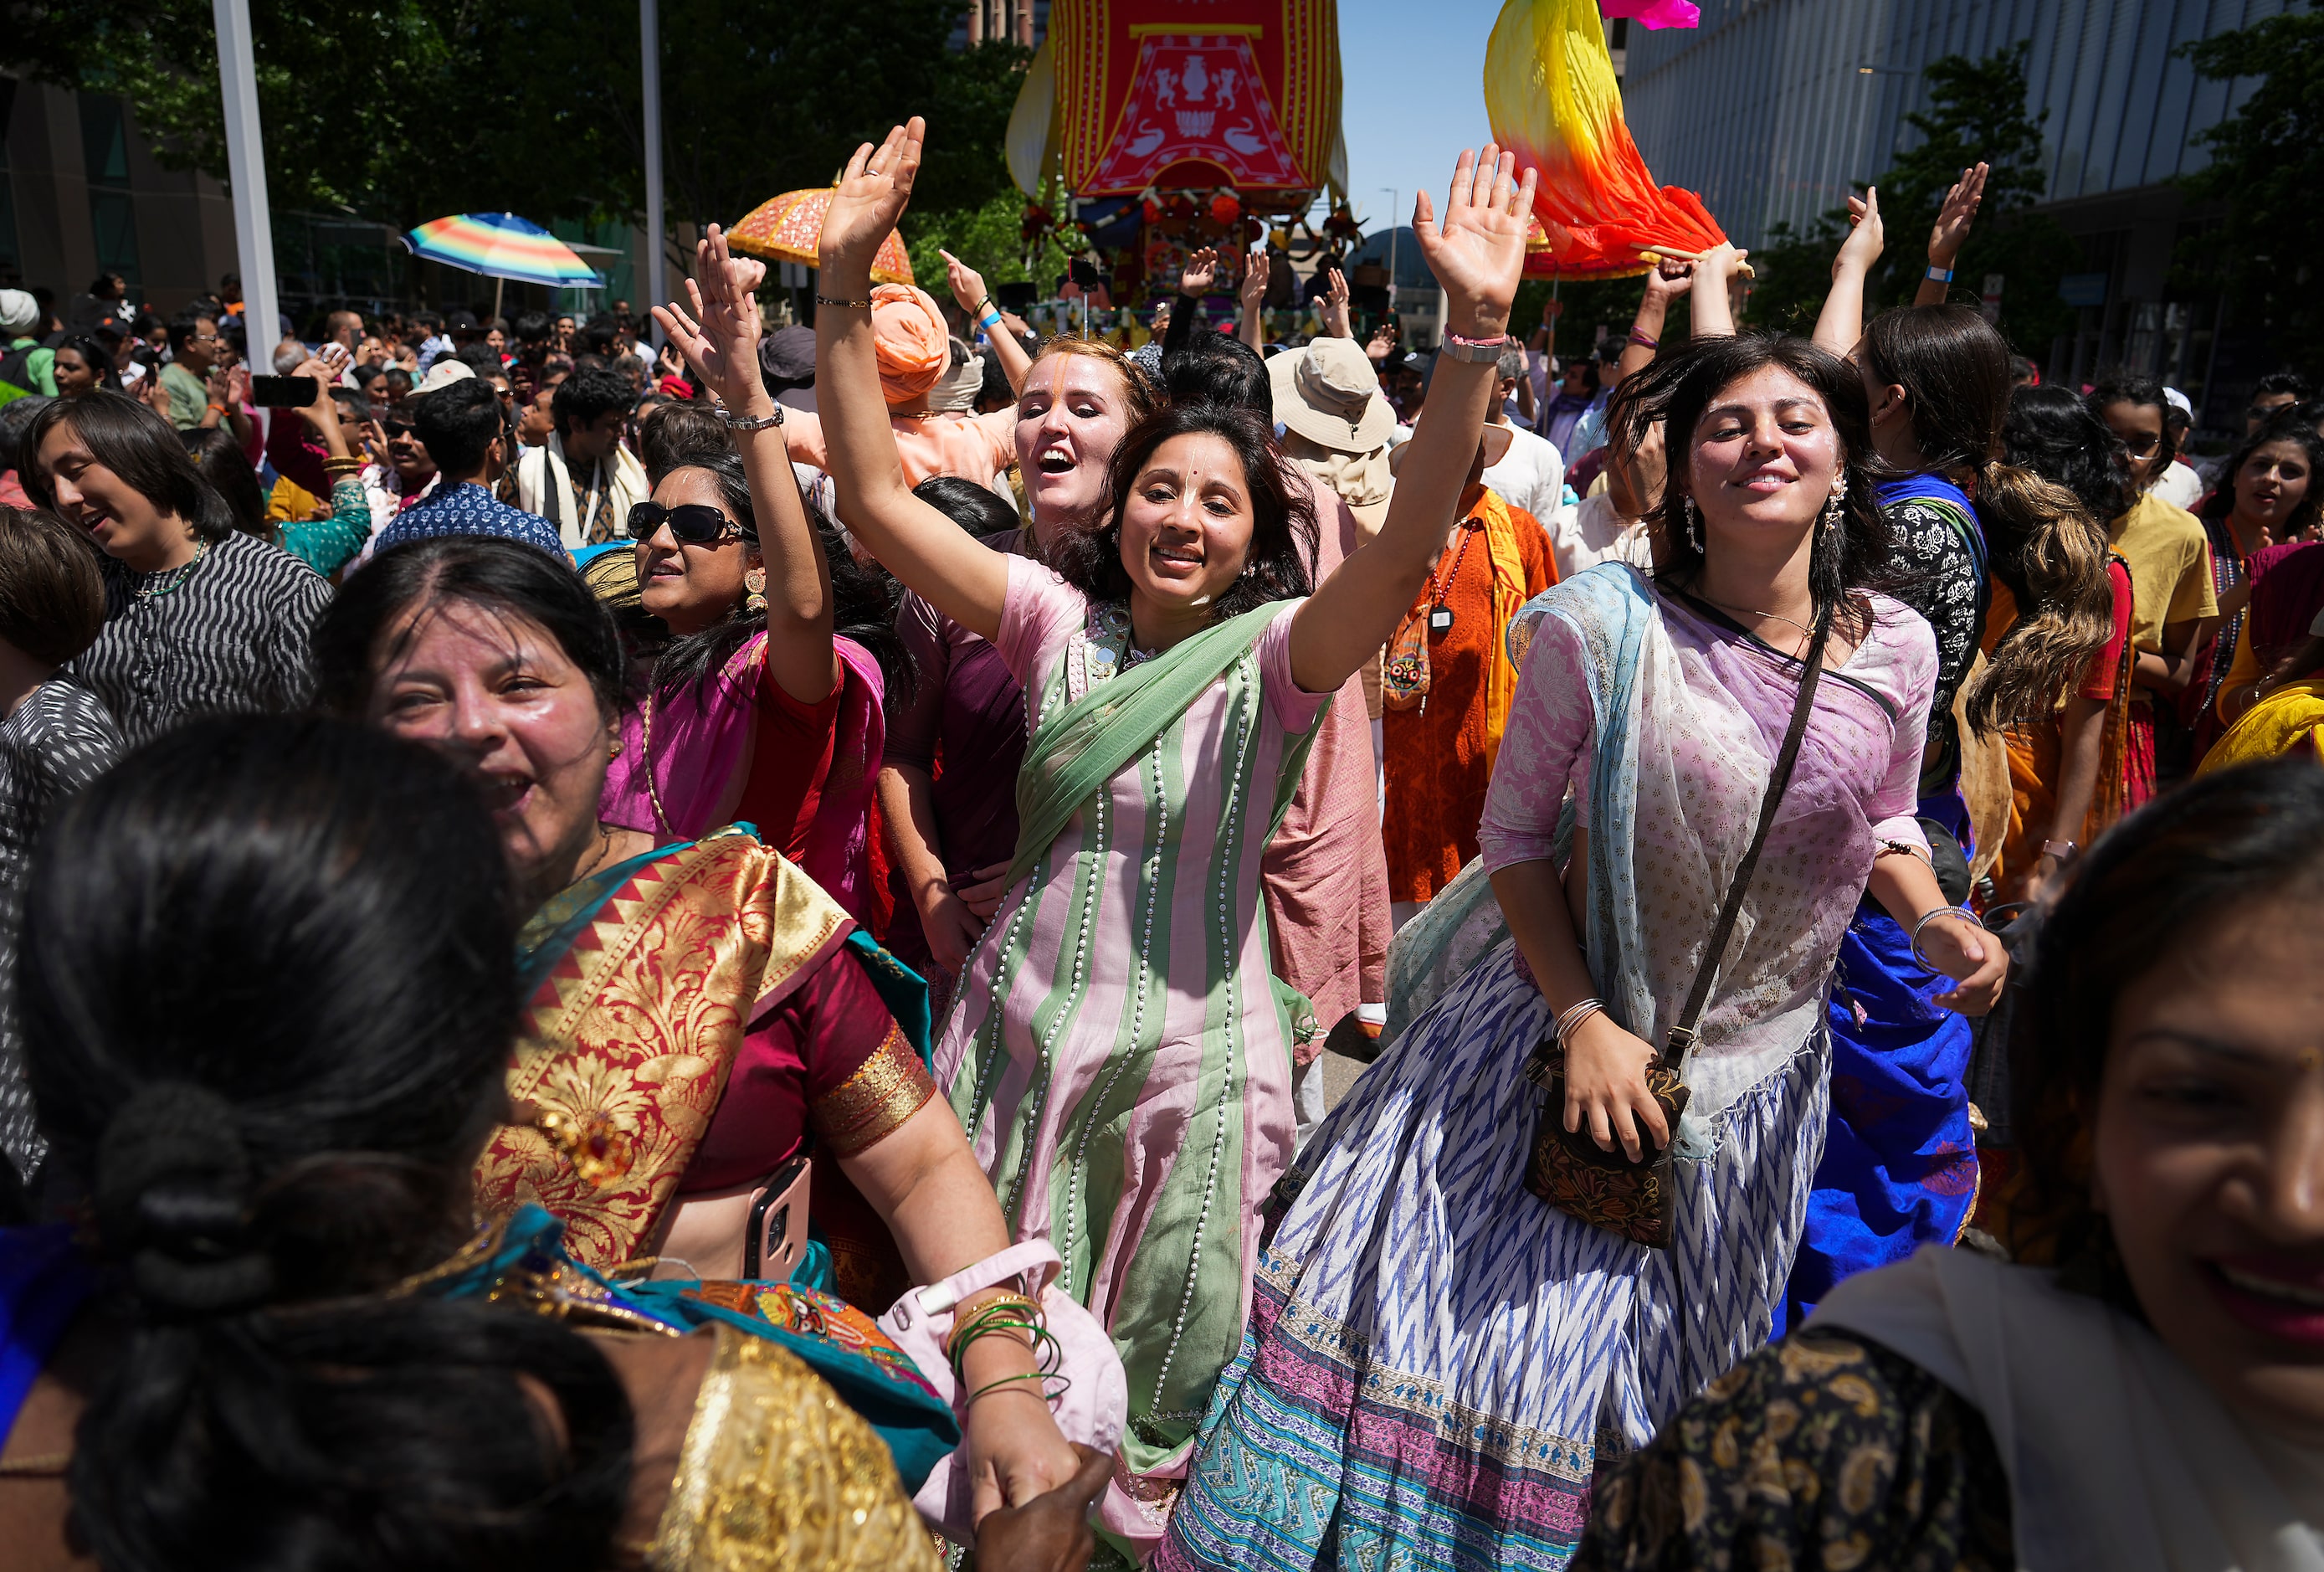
1832 507
754 586
615 751
1693 525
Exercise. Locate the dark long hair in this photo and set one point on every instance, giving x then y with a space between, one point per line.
2227 842
1283 526
1954 369
98 358
862 599
2300 434
2049 430
1676 387
268 985
507 577
222 463
137 445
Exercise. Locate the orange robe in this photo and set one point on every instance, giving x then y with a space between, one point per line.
1440 755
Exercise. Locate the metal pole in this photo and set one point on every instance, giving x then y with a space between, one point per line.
1394 206
246 158
657 253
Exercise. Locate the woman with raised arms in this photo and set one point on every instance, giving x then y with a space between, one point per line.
1116 1048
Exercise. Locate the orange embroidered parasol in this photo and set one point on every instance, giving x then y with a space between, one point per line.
1551 95
790 227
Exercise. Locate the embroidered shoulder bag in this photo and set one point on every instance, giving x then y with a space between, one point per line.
1569 1169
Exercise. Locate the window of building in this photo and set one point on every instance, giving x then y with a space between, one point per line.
112 211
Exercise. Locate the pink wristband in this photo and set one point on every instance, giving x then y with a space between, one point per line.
1466 343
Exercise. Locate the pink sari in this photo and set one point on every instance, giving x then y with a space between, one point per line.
704 736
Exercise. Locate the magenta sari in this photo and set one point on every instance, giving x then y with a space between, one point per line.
701 739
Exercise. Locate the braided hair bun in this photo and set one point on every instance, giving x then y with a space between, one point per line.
268 983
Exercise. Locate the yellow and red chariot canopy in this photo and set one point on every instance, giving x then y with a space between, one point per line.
1161 94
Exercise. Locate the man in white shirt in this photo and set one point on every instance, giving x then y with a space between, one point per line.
582 479
2179 483
1532 474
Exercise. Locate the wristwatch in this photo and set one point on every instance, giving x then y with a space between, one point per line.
2065 851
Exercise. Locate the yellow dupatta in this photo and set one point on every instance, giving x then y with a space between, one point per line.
2288 721
1508 595
650 983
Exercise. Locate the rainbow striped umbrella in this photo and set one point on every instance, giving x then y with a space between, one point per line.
503 245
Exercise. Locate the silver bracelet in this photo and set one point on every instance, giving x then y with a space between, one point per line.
735 422
1572 1017
1962 913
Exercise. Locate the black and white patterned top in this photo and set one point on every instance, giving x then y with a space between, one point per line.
227 633
59 740
1930 529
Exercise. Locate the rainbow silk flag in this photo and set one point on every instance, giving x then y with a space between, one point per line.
1551 97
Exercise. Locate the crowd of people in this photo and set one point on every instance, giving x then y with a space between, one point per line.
724 956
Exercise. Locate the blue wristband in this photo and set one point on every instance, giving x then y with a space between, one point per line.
1943 275
990 320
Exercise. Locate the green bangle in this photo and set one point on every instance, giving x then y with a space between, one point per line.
1029 1375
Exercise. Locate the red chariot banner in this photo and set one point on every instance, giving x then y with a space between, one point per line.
1195 93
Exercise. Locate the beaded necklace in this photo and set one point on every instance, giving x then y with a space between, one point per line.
154 588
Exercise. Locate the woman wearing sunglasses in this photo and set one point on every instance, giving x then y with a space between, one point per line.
758 711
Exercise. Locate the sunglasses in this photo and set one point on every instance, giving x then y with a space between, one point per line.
391 429
691 524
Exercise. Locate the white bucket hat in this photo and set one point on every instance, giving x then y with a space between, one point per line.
1329 394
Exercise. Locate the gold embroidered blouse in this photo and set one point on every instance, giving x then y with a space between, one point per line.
779 1473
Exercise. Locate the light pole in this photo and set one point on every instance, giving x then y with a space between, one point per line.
1394 206
657 261
246 162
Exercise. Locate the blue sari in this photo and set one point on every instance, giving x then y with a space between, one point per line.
1899 1167
44 1281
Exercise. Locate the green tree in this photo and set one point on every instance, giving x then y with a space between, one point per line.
408 109
990 238
1793 273
1977 113
2266 162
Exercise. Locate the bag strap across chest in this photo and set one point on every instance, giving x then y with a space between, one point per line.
1683 1032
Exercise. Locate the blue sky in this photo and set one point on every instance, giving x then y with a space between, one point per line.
1413 95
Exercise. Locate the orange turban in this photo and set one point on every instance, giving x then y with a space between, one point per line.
913 344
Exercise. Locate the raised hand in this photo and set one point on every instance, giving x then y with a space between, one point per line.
1254 277
1336 305
873 191
1671 278
721 338
967 283
1953 219
1477 250
1200 271
1865 238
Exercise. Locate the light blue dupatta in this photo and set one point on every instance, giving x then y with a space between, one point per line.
1612 609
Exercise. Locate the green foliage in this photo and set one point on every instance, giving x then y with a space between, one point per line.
1794 274
989 238
408 109
1977 112
2267 160
1586 304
